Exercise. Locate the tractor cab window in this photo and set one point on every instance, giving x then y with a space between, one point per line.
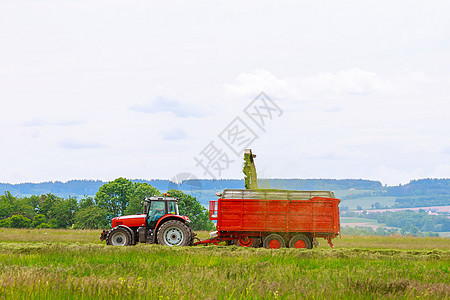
173 208
156 211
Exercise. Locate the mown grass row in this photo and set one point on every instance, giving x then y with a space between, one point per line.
77 270
92 237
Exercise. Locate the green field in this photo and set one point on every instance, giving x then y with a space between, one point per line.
49 264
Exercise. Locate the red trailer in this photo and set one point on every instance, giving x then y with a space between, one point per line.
274 218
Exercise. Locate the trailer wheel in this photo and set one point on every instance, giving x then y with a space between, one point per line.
248 242
118 237
174 233
300 241
274 241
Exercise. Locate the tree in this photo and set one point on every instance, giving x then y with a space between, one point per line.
115 196
141 191
61 214
38 220
86 202
189 206
19 221
428 225
16 221
91 217
7 202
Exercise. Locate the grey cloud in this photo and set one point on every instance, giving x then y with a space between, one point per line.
161 104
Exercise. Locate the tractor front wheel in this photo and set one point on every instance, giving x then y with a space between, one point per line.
174 233
118 237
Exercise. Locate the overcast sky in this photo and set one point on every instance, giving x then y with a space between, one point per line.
151 89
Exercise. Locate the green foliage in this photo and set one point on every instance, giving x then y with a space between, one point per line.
91 217
43 225
189 206
86 202
115 196
422 201
141 191
122 196
421 187
19 221
5 223
10 205
61 214
16 221
38 220
45 211
408 219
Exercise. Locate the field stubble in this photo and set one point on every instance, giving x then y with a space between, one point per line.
74 264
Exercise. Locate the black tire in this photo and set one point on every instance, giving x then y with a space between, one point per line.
300 241
274 241
174 233
193 235
230 243
118 237
253 242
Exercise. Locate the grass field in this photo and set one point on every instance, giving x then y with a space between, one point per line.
73 264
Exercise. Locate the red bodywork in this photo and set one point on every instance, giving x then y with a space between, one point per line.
319 215
139 220
241 218
130 221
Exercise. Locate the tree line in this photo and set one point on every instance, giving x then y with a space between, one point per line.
118 197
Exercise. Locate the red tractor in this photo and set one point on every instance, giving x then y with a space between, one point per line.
160 223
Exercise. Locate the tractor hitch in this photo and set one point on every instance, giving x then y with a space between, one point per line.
103 235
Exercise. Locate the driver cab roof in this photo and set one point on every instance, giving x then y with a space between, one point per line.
161 198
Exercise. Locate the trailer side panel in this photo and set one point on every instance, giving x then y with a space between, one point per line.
317 215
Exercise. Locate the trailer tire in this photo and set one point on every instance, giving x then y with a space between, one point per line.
300 241
252 242
274 241
118 237
174 233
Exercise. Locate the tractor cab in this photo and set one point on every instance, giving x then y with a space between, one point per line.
157 207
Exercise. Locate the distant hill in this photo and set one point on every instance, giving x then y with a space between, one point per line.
415 193
90 187
421 187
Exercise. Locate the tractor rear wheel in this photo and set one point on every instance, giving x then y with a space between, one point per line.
274 241
118 237
174 233
300 241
